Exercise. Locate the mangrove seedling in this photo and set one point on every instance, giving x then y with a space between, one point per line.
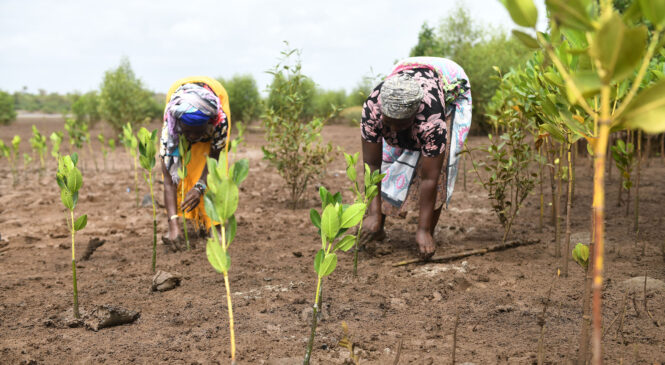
13 157
581 255
131 143
38 144
185 156
369 192
70 181
27 159
105 152
75 133
333 222
111 142
221 202
147 150
9 154
56 141
624 155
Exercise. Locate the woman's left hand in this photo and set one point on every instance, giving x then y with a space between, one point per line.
192 200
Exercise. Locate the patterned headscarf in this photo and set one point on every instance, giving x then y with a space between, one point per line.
193 105
400 96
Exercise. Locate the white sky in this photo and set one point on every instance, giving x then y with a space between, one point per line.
67 45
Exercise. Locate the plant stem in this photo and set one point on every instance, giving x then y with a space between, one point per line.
77 315
154 224
136 180
542 196
636 228
310 343
599 222
184 218
355 248
568 211
230 308
557 205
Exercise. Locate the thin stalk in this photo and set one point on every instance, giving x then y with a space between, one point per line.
542 195
568 212
77 315
315 308
184 218
136 180
557 206
355 247
231 326
636 228
552 184
154 224
599 223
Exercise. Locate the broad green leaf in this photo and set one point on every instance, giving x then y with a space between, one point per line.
67 199
315 217
349 159
352 215
219 259
570 13
318 260
328 265
210 208
323 193
554 132
231 228
81 222
74 180
647 110
239 171
587 82
227 199
351 173
654 11
618 48
581 255
74 158
330 221
345 243
526 39
523 12
371 192
368 175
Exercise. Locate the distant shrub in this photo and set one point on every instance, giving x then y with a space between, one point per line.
7 112
349 116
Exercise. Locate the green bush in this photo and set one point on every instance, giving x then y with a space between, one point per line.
350 115
7 111
244 98
86 108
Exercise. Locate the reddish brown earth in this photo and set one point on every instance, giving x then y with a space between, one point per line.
499 296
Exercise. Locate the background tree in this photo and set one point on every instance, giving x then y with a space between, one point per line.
244 98
7 110
123 99
86 108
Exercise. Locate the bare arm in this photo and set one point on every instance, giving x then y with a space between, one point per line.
430 172
372 153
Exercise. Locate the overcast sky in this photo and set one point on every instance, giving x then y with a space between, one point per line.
67 45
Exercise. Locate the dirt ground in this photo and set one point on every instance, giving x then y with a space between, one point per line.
499 297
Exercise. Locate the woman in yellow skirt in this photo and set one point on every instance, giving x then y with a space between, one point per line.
198 109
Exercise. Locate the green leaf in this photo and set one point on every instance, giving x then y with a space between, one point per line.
526 39
318 260
554 132
523 12
66 198
81 222
581 255
654 11
351 173
210 208
587 82
219 259
328 265
323 193
352 215
368 175
226 199
315 218
647 110
371 192
75 158
618 49
239 171
330 221
349 159
345 243
570 13
231 228
74 180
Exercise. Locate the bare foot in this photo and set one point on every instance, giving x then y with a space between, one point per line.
426 244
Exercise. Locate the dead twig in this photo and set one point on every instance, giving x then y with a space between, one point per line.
461 255
620 314
399 352
452 360
646 307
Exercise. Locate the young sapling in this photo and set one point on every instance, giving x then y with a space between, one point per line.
27 159
38 144
13 157
185 156
581 255
147 150
131 143
56 141
105 152
221 202
369 192
112 150
335 219
69 180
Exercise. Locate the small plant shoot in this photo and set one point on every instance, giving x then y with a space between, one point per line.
38 144
186 156
221 202
131 144
105 151
581 255
56 141
335 219
69 180
147 150
369 192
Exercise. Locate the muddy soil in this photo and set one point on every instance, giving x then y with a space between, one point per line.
499 297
